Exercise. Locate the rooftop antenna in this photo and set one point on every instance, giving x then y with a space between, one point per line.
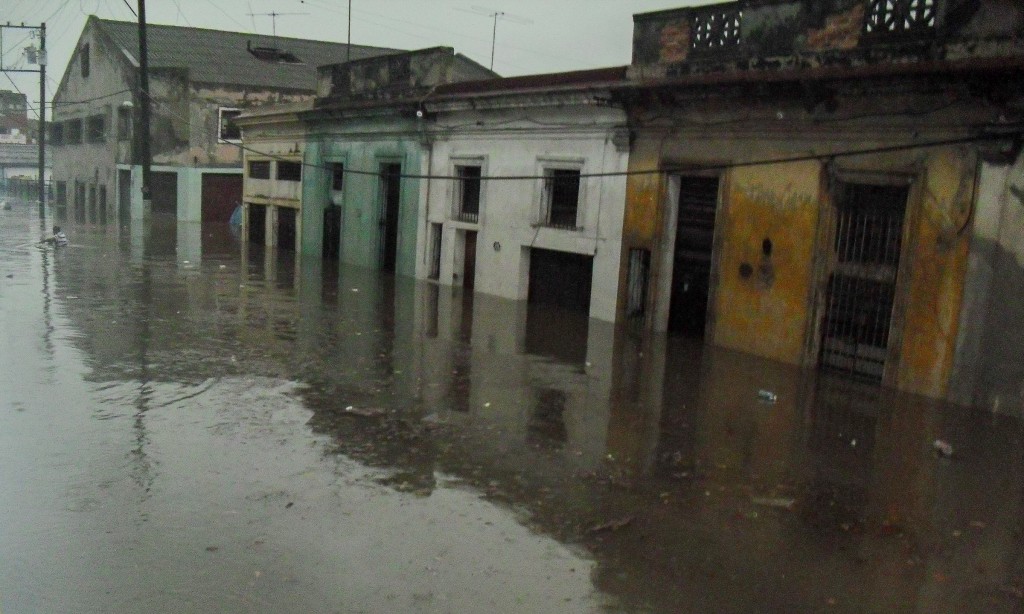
496 15
273 15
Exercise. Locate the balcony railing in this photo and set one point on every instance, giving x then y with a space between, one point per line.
466 216
716 28
719 31
897 17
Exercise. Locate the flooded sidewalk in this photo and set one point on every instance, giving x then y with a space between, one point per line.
188 424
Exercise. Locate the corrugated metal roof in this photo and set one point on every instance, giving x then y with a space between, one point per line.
217 56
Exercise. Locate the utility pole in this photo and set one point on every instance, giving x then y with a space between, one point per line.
34 57
142 136
348 42
42 120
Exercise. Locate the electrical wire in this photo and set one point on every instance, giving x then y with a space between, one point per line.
670 170
160 109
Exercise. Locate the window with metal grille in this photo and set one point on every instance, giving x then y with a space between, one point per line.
259 169
894 17
57 134
716 28
862 286
97 130
561 198
870 226
289 171
467 196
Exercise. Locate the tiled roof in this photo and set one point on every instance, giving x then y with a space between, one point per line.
216 56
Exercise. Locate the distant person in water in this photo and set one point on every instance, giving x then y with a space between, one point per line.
59 238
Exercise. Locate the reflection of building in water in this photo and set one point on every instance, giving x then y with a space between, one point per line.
669 435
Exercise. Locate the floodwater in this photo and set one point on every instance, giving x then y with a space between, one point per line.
190 426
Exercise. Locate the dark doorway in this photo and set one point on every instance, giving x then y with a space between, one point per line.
862 281
561 279
79 202
691 271
257 224
558 315
286 228
332 232
164 193
101 207
92 204
435 250
469 263
391 192
124 196
221 194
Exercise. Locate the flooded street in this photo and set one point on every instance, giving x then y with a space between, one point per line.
188 424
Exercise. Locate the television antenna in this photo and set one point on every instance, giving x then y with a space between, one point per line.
496 15
273 15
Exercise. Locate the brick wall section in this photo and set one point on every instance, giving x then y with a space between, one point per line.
675 41
841 32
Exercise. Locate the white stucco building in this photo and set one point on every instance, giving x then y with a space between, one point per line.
524 200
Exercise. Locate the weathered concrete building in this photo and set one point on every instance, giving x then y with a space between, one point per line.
275 142
14 124
832 184
364 147
551 233
200 81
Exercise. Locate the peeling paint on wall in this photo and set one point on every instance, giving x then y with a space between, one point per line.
675 41
766 312
840 32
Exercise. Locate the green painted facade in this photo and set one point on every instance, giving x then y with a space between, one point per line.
362 148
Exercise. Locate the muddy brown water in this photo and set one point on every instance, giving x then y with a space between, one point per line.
191 425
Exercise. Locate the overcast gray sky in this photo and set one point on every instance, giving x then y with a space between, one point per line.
537 36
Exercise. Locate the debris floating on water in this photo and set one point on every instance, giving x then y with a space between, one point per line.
774 501
366 412
943 448
612 525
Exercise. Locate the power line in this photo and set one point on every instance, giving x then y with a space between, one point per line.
670 170
1018 132
132 9
62 103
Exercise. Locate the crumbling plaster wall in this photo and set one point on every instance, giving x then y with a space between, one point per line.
189 134
990 363
789 33
772 313
108 85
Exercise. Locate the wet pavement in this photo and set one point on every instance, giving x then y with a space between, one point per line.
189 425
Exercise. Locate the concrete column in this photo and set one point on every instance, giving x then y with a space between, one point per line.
138 208
271 228
190 195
